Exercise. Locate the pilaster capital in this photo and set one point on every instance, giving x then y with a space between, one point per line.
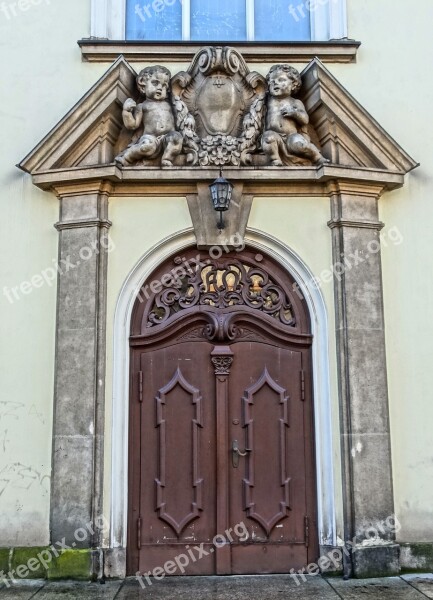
86 188
222 359
343 188
355 204
84 205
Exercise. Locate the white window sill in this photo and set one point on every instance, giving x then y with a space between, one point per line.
334 51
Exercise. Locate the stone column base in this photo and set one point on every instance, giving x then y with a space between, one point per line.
376 561
93 564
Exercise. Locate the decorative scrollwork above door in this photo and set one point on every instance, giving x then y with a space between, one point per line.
223 284
238 297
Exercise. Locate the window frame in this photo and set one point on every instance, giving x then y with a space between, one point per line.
328 21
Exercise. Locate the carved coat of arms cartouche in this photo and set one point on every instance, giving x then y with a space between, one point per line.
218 113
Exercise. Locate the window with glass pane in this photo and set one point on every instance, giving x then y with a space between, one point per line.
143 22
216 21
225 20
274 23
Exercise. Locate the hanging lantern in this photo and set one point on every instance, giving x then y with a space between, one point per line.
221 194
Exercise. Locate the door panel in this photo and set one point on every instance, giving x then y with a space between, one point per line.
176 491
179 486
268 489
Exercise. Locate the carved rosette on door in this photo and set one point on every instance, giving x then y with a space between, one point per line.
223 425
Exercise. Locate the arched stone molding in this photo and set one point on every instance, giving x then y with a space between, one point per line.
325 453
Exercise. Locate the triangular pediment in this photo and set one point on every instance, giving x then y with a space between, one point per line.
92 132
347 133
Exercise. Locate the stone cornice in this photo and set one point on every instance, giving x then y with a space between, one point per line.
179 181
334 51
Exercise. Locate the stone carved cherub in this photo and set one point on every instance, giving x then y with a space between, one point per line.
153 120
286 134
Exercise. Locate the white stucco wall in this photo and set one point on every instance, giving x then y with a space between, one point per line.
392 81
43 76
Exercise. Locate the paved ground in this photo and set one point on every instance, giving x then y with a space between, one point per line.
409 587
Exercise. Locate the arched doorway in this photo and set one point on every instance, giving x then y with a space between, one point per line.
221 443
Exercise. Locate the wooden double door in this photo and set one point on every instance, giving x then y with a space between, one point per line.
221 446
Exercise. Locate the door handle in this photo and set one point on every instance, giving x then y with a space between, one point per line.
237 452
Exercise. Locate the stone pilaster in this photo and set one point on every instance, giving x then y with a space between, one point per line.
77 469
364 413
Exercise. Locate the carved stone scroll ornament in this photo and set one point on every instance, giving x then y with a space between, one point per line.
226 103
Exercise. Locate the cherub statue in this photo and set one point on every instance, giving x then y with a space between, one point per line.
286 134
153 120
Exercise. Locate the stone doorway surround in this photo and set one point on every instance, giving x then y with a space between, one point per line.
321 384
75 161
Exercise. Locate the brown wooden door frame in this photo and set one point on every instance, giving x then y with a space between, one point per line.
256 302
